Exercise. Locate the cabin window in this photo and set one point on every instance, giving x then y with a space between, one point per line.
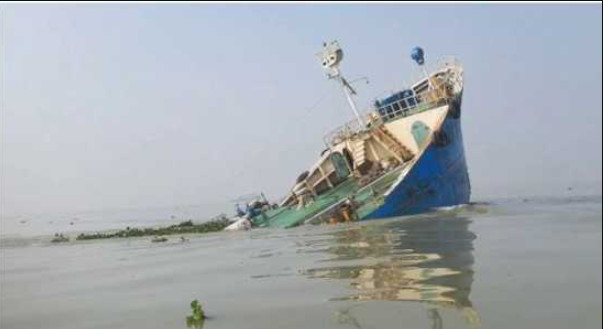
398 104
389 110
396 107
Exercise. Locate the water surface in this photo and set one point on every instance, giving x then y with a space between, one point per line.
512 264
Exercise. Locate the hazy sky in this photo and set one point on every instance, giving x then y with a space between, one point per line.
134 106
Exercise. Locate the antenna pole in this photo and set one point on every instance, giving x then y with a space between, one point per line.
418 56
427 76
348 95
331 57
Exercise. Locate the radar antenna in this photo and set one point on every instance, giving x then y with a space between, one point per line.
331 57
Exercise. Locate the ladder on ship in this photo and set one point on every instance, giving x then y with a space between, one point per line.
359 152
391 143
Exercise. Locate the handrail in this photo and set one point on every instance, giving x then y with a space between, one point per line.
439 93
343 132
435 97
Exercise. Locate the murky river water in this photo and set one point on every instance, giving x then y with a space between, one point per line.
512 264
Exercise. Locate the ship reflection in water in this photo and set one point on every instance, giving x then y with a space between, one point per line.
427 260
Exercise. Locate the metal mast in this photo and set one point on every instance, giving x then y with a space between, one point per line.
418 55
331 56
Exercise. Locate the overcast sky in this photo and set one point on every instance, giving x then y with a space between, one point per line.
136 106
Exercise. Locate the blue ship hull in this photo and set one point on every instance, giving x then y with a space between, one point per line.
438 179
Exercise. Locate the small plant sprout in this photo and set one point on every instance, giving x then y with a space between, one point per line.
196 320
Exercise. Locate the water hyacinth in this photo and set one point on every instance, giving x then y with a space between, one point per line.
197 319
186 227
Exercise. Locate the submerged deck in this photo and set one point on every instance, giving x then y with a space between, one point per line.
368 198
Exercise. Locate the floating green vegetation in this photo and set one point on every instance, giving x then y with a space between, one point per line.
186 227
59 237
196 320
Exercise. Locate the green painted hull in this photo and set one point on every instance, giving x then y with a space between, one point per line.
368 198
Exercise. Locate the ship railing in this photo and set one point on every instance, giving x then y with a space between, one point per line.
446 64
438 94
441 64
453 66
343 132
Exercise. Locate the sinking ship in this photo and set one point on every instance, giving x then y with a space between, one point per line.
404 156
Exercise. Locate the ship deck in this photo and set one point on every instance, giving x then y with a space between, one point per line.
368 198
